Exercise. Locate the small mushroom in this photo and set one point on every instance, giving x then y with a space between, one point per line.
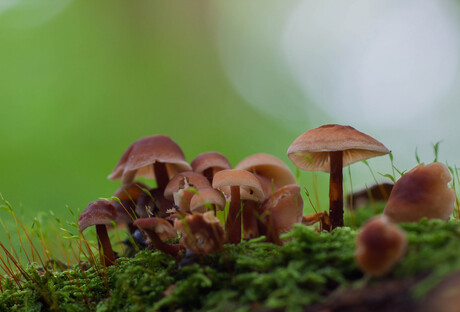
329 148
157 156
209 163
205 199
201 233
269 167
101 213
236 184
159 230
281 211
420 193
379 246
183 186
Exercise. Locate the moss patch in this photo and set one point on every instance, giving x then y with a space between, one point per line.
307 269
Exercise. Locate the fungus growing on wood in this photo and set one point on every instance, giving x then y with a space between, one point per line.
102 213
420 193
206 199
157 156
233 183
201 233
379 246
209 163
159 230
329 148
281 211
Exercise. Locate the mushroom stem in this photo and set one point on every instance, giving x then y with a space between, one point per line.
233 224
250 212
107 255
170 249
161 175
336 189
208 174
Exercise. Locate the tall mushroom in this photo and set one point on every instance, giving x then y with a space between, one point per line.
329 148
209 163
233 182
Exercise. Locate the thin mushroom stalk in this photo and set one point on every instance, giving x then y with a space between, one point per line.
107 255
233 224
161 175
170 249
336 189
250 213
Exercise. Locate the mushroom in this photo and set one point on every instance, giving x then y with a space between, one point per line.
201 233
281 211
272 173
420 193
101 213
236 184
269 167
329 148
205 199
209 163
379 246
157 156
159 230
183 186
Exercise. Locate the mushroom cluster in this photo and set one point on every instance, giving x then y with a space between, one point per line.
260 193
259 196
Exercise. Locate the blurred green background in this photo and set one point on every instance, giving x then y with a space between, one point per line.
78 89
81 80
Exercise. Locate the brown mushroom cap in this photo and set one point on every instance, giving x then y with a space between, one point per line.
310 151
268 166
161 227
214 160
249 185
420 193
283 209
138 159
379 245
103 212
200 202
201 233
195 180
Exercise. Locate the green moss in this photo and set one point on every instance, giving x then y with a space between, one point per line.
308 268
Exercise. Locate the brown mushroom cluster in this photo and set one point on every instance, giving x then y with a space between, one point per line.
259 196
260 193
